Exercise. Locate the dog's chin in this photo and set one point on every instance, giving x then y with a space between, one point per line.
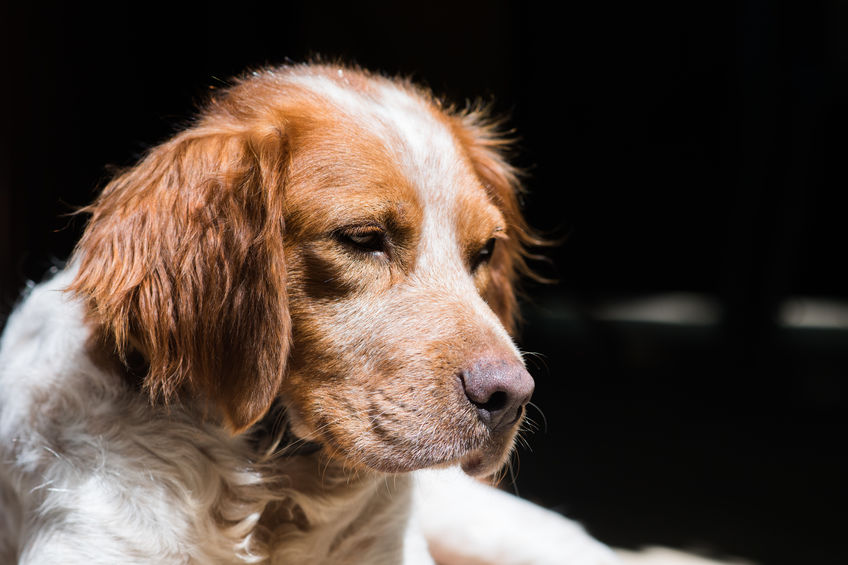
477 463
482 465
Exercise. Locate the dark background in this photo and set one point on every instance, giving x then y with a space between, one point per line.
680 146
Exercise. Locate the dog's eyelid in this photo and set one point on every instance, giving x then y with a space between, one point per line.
487 249
484 254
499 234
364 237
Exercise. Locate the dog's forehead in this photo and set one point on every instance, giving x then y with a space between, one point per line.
415 133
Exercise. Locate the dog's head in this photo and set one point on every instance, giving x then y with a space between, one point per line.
337 241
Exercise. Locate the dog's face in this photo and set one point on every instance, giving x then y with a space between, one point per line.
335 240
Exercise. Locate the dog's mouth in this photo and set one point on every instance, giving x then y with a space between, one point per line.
275 435
462 441
494 455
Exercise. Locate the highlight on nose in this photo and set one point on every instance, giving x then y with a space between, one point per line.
498 388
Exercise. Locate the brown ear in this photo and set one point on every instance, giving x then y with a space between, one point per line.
485 147
182 259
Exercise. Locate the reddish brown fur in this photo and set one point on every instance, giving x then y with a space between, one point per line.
214 258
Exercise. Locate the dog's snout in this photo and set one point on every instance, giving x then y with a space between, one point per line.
498 389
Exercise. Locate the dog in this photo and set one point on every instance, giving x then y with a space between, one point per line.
281 335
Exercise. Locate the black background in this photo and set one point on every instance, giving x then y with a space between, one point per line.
679 146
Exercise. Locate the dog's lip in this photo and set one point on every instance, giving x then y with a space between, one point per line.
481 454
519 415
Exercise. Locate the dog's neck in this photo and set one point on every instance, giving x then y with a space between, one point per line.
331 513
322 510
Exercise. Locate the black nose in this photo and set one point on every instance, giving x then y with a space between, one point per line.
499 389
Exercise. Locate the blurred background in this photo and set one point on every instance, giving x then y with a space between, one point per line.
690 156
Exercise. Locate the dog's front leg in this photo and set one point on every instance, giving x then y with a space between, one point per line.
468 523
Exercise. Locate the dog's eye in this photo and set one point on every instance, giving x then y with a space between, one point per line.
363 238
484 255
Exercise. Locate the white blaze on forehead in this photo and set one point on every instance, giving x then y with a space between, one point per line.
423 146
428 151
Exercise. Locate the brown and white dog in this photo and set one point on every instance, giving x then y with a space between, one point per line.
269 324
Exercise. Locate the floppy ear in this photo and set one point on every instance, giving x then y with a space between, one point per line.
182 260
485 147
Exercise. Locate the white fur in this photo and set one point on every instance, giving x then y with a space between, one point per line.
469 522
665 556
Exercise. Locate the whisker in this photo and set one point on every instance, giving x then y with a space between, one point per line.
529 424
540 360
542 414
514 467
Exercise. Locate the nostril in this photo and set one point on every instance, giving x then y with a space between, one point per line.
495 403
